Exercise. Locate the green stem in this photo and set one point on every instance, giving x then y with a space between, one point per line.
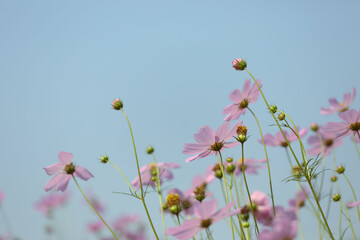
125 178
305 160
138 169
88 201
208 233
348 217
225 186
158 186
247 188
353 191
267 160
356 146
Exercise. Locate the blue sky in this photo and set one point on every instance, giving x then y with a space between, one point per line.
62 63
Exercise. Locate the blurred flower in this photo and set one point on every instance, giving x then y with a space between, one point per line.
2 196
279 140
209 142
328 142
149 171
95 227
351 124
130 227
282 228
251 166
241 100
299 199
50 202
261 206
64 170
336 107
206 215
353 204
187 200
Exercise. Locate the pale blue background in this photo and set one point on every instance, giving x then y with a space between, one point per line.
63 62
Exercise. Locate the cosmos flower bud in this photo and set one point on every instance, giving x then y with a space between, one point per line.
340 169
281 116
333 178
296 171
153 179
200 193
246 224
149 150
239 64
242 133
117 104
173 203
314 127
336 197
104 159
273 109
230 168
217 171
229 159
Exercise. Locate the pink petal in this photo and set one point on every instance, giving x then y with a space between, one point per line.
349 116
232 131
230 144
206 209
54 168
246 88
201 155
205 135
195 148
63 182
186 231
222 130
53 181
65 157
82 173
235 96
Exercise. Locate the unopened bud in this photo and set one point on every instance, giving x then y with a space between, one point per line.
153 179
336 197
230 168
314 127
218 174
229 159
281 116
149 150
334 178
340 169
104 159
176 209
246 224
239 64
117 104
273 109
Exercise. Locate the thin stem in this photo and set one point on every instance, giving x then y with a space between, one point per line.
267 160
340 221
247 188
356 146
138 169
353 191
303 153
208 233
124 178
348 217
177 216
158 186
225 186
88 201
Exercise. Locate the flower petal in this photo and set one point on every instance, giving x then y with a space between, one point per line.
82 173
65 157
54 168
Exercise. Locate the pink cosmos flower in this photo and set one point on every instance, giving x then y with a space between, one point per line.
130 227
2 196
351 124
250 164
279 139
149 171
299 199
187 200
241 100
95 227
336 107
209 142
51 202
282 228
353 204
206 215
328 140
64 170
261 205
